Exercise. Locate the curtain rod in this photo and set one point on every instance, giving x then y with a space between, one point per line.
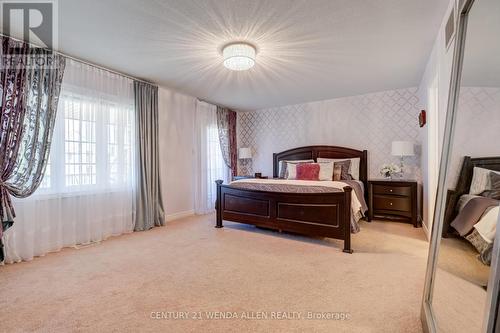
83 61
222 106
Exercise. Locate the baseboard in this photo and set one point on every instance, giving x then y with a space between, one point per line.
426 231
179 215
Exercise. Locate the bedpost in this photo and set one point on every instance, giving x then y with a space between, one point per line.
275 166
347 219
363 173
218 204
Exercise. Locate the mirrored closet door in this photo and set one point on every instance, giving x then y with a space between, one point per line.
461 283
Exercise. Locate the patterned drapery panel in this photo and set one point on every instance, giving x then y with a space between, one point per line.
226 124
30 86
12 107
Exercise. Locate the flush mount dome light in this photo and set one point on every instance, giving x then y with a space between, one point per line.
239 56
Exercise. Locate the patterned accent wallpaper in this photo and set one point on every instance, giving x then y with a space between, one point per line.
477 127
370 122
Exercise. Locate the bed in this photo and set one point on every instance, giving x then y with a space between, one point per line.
327 213
463 187
472 208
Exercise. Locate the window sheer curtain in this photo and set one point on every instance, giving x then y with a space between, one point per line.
210 165
87 193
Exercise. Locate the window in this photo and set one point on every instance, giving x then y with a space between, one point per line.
216 165
92 145
80 164
210 165
88 190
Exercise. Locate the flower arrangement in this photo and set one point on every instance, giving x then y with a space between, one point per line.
388 170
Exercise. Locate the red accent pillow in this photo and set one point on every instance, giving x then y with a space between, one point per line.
308 171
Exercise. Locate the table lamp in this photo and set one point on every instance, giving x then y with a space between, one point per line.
244 153
402 149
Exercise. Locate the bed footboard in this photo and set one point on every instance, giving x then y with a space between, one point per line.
314 214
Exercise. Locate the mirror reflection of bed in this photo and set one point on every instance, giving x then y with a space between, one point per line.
469 229
470 220
473 181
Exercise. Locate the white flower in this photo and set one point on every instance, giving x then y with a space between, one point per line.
390 169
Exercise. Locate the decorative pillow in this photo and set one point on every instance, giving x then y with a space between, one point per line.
284 164
337 172
345 165
494 191
486 255
308 171
481 180
475 239
482 246
325 171
353 170
484 231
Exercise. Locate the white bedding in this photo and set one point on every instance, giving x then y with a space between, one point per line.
487 225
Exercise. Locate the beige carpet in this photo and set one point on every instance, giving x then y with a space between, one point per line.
190 266
458 304
458 257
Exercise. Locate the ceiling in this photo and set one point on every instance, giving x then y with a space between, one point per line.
307 49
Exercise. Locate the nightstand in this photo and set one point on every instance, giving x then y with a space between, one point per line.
393 200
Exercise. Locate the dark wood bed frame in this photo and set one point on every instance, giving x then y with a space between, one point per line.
463 187
313 214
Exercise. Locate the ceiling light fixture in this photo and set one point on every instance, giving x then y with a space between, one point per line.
239 56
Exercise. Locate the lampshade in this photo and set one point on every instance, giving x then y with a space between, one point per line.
403 148
239 56
244 153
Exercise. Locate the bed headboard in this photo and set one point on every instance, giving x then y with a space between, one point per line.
313 152
463 185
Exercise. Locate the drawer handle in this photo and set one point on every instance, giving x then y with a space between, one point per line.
390 203
390 190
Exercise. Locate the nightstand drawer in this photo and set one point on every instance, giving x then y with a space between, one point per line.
383 202
392 190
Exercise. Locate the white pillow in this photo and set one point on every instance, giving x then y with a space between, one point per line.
291 171
480 181
354 168
325 170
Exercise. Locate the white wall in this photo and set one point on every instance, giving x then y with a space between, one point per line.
433 95
176 116
370 122
477 127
